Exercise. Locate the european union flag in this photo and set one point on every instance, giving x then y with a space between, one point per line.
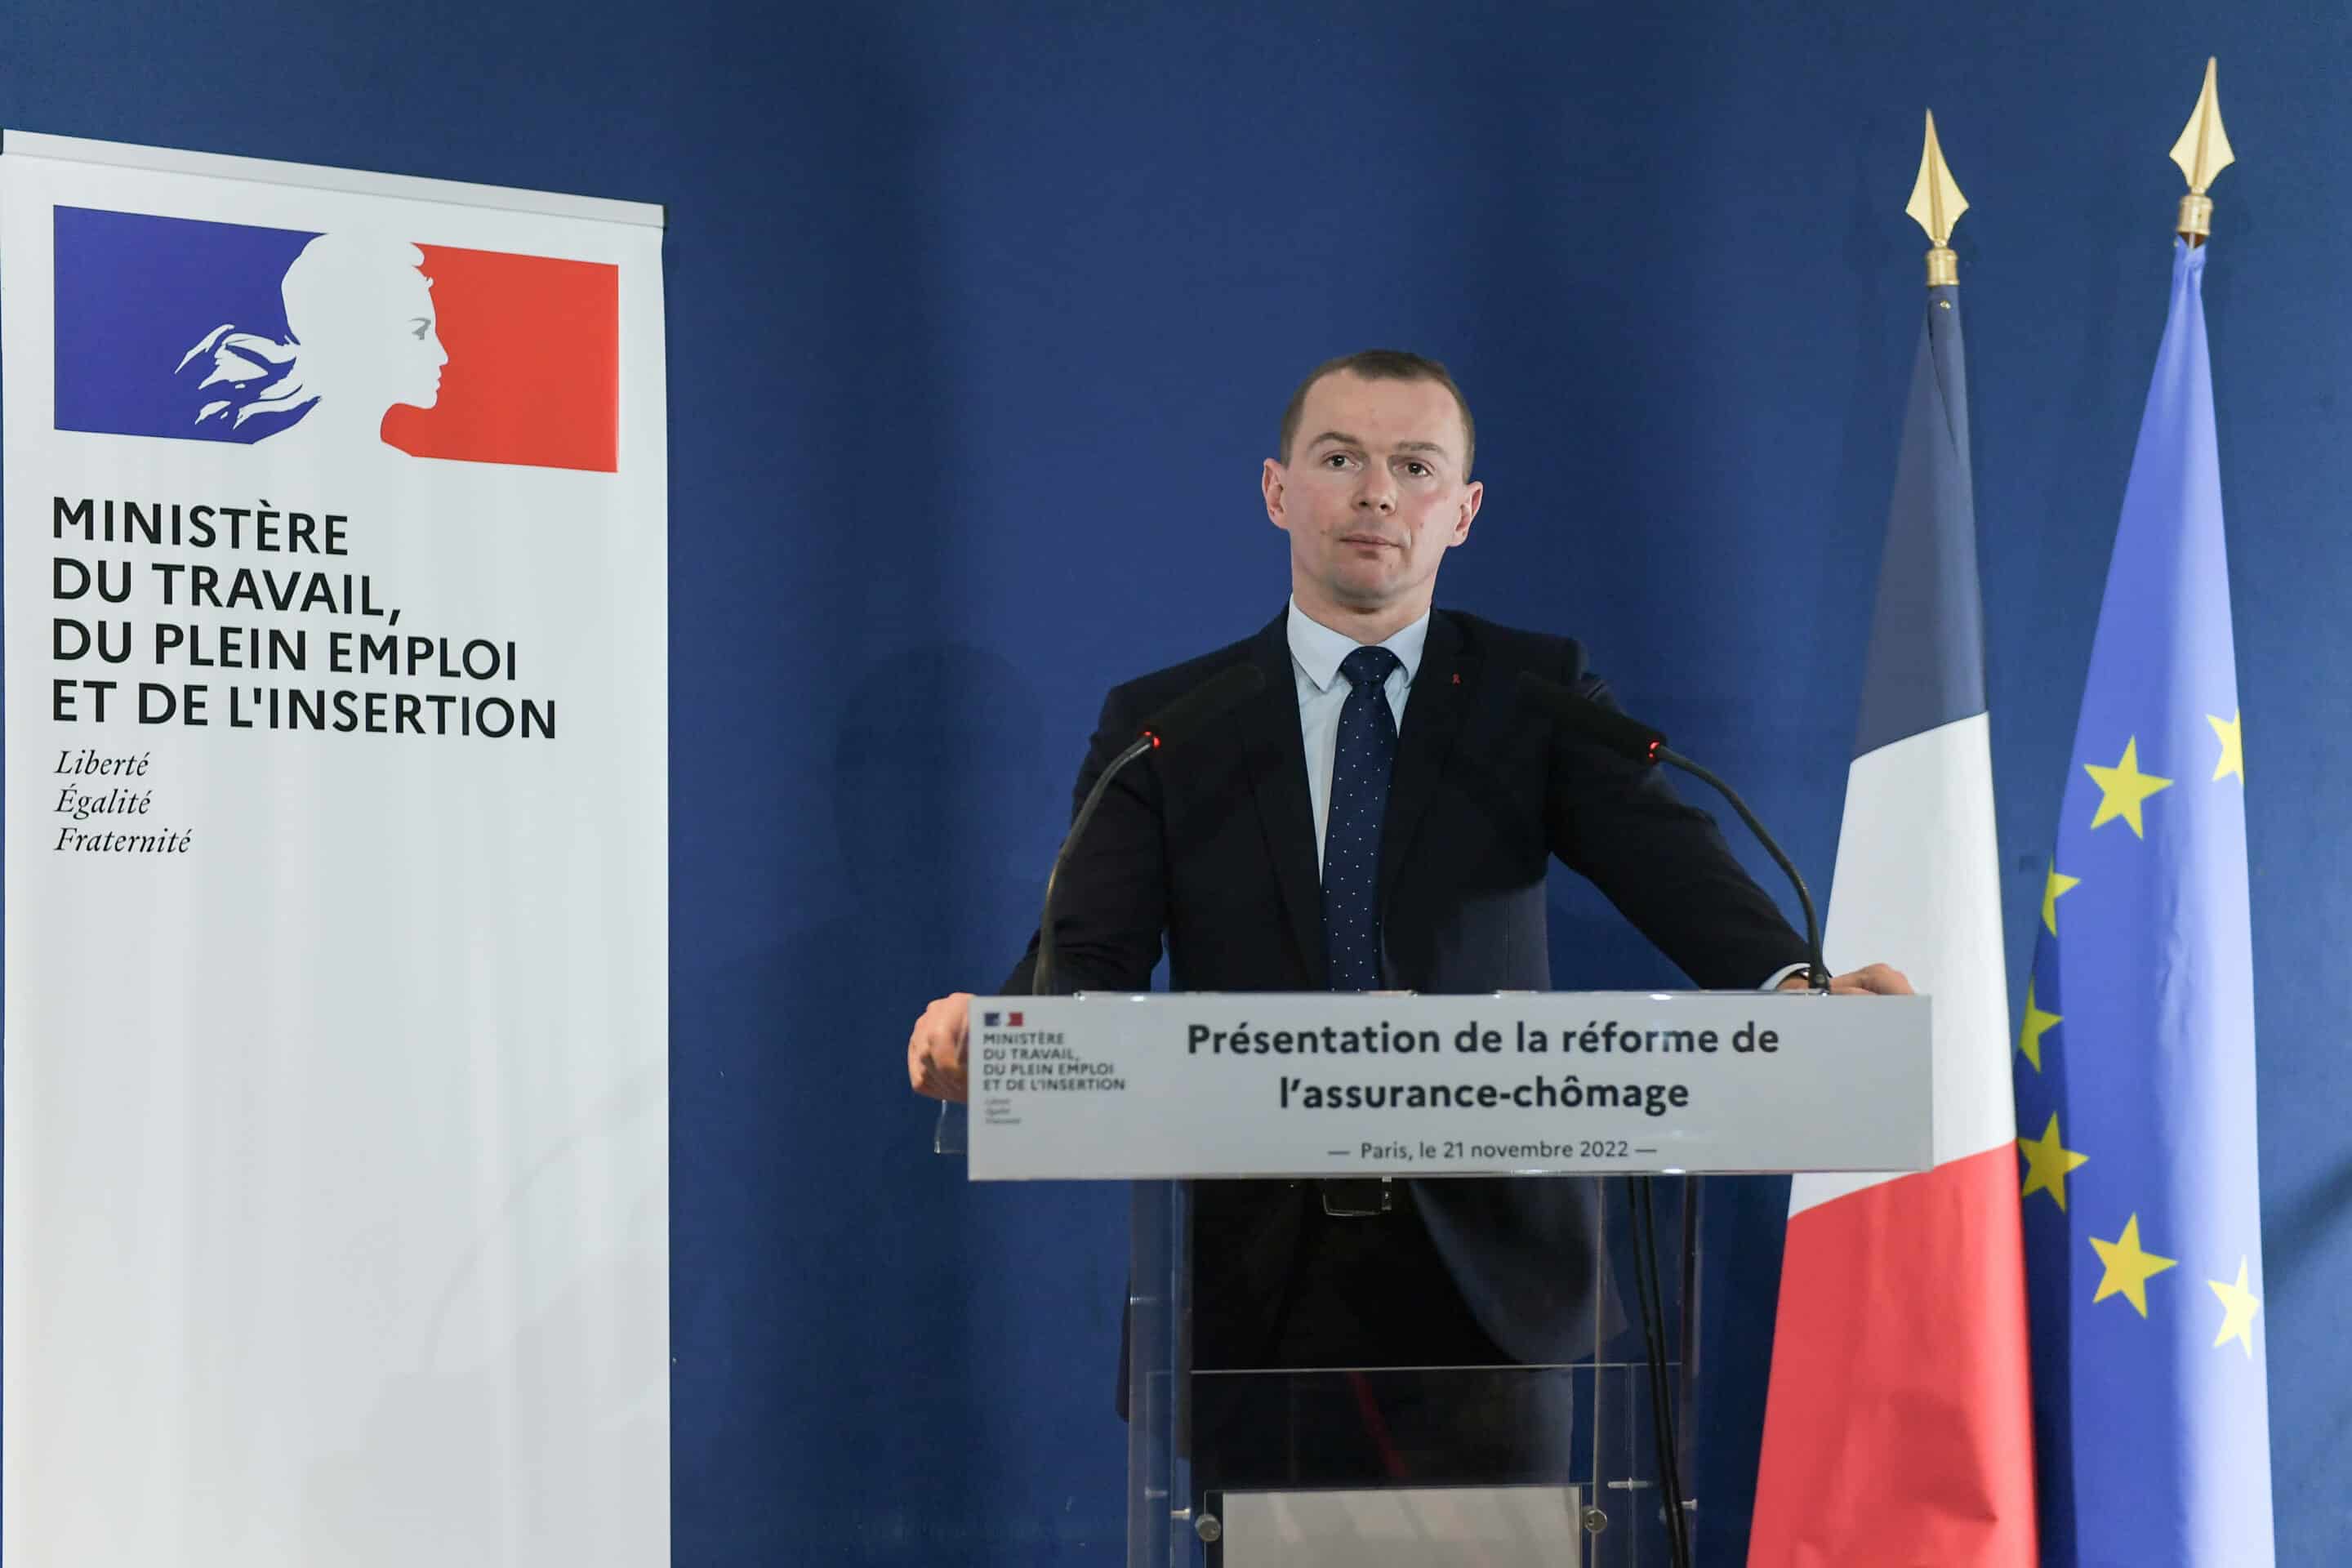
2135 1066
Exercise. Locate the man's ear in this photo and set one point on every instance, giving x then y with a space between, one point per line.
1472 495
1270 482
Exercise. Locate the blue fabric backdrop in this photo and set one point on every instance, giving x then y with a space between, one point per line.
980 321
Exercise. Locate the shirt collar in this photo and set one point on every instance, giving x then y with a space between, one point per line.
1319 651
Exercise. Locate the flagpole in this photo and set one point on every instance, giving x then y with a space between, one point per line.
2203 151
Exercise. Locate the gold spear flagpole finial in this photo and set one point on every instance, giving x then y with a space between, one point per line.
2203 151
1936 204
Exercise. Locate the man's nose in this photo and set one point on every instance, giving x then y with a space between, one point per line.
1378 492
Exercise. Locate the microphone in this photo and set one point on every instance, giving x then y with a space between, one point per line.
1174 724
1645 747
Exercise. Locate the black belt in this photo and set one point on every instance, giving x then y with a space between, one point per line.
1356 1197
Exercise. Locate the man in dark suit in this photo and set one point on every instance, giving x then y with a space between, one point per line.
1381 815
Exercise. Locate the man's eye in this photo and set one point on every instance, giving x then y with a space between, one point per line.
423 327
1336 460
1418 470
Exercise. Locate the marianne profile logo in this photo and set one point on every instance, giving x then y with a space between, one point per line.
341 342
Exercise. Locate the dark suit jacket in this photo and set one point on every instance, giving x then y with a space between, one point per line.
1212 844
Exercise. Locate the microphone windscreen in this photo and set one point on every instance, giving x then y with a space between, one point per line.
1605 727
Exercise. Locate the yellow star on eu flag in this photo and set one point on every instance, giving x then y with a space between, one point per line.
2123 787
2233 749
2127 1267
2047 1163
2238 1306
2054 888
2028 1036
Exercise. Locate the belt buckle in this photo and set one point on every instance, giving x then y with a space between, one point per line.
1357 1197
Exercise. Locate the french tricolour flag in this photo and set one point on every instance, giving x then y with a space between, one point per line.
221 332
1900 1427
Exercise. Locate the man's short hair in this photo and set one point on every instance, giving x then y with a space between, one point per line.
1380 365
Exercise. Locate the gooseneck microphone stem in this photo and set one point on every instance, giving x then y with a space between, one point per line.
1820 976
1041 979
1649 1287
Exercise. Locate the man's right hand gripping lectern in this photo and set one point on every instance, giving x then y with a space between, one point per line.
1413 1279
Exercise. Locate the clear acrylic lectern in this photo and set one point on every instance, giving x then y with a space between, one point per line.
1431 1466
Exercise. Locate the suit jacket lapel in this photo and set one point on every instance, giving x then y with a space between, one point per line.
1277 772
1432 716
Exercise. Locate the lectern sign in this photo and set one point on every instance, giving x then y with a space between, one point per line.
1109 1087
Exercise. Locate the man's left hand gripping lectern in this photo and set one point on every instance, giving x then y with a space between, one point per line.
1413 1277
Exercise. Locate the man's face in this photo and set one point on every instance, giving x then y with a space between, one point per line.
1373 495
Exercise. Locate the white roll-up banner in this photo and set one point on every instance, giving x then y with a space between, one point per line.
336 1160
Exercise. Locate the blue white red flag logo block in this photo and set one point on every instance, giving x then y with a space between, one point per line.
199 330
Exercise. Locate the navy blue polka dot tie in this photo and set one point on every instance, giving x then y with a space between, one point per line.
1360 764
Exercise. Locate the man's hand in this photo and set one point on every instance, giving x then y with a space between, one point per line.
1877 980
935 1051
